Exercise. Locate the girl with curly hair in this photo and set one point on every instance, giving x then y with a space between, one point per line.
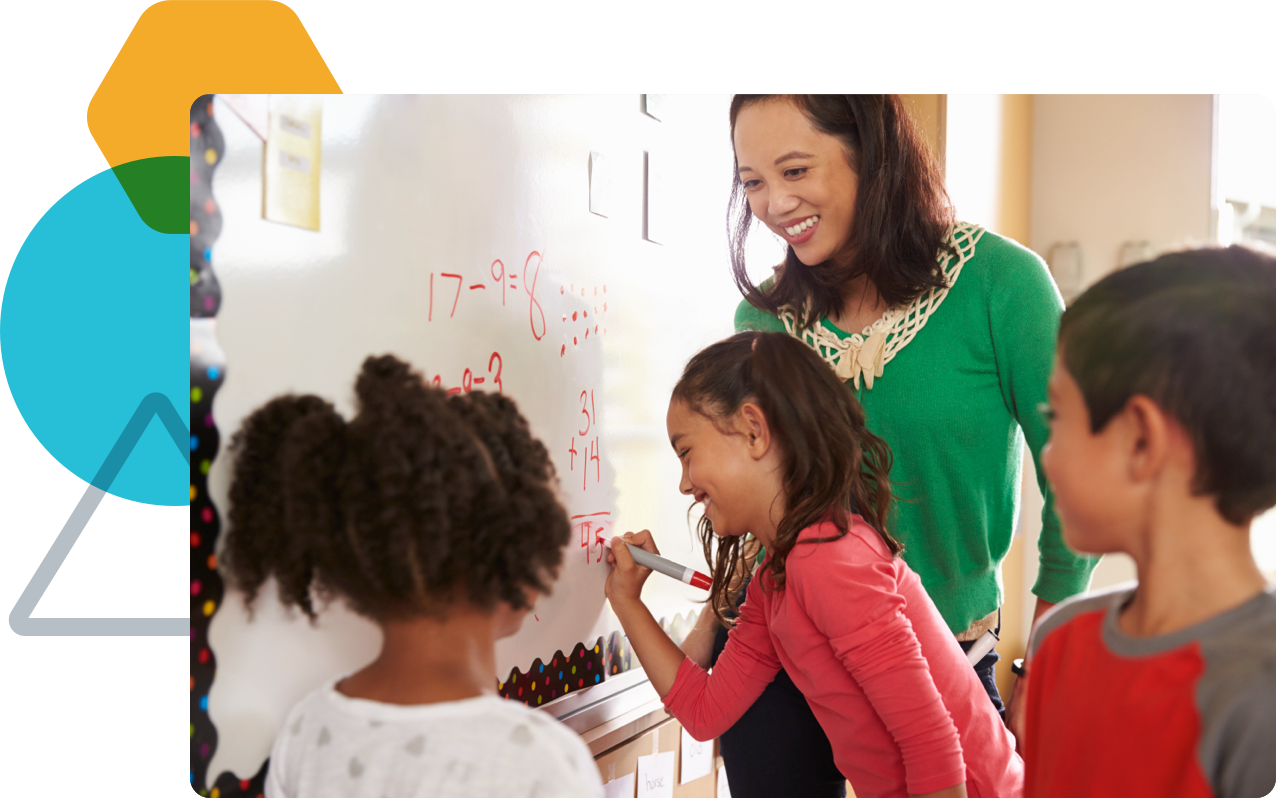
434 516
774 446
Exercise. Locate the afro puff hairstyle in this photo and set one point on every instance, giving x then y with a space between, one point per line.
421 501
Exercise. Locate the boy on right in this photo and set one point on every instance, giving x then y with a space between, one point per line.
1162 446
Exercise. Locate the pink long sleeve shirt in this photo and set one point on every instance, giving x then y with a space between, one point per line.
889 684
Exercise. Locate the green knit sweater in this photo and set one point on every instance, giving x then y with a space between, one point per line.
951 405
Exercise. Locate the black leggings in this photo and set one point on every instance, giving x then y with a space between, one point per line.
777 747
985 670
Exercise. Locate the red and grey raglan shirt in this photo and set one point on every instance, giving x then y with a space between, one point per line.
1192 713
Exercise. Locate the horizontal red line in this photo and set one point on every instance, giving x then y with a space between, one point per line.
589 515
477 285
453 391
479 380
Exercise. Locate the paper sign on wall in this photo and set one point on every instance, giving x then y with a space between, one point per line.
291 190
655 775
599 184
622 787
697 758
724 791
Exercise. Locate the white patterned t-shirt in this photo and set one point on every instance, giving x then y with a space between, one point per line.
334 746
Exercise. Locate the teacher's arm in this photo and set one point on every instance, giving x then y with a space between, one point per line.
1024 307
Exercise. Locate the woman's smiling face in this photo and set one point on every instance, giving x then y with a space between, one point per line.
797 179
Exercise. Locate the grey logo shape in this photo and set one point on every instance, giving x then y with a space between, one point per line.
416 745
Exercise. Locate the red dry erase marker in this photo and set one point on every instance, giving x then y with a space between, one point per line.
667 567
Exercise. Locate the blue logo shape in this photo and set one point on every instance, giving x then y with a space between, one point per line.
95 323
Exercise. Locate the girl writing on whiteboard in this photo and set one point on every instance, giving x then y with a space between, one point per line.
772 445
434 516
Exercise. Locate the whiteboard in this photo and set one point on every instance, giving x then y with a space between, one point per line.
456 233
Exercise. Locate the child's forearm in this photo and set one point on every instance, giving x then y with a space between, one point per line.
659 655
698 644
1040 608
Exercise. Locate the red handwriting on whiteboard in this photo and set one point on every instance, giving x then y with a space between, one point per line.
592 529
474 378
500 277
588 453
533 307
581 324
459 282
587 410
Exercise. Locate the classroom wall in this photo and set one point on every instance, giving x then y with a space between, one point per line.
930 111
989 144
1108 169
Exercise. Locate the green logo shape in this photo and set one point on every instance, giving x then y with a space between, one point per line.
159 189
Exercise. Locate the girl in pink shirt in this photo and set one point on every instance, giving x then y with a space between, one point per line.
774 446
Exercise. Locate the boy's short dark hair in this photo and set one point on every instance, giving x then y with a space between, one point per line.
1194 331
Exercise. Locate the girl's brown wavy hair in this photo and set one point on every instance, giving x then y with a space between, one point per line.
901 219
832 465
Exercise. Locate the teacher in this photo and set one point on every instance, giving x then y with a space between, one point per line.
944 332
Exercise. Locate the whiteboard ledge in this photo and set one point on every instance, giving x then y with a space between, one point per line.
615 698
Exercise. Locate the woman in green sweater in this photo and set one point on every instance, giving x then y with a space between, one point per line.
945 333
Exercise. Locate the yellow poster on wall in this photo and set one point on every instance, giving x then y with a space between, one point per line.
290 180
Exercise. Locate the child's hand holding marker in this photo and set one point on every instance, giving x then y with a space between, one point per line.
647 559
627 577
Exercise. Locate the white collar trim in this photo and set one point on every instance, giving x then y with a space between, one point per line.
867 352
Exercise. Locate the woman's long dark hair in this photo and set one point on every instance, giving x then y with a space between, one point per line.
832 465
419 502
902 212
